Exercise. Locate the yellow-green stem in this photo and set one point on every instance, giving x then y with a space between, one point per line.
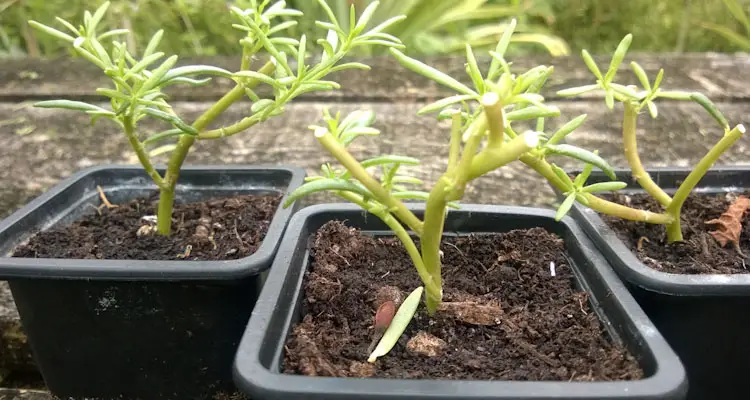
492 158
455 144
630 147
352 165
166 195
460 175
542 167
434 223
430 287
140 151
674 230
493 110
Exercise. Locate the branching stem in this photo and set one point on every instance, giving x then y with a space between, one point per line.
631 153
396 207
674 230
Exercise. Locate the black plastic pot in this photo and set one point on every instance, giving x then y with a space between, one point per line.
143 330
705 318
257 366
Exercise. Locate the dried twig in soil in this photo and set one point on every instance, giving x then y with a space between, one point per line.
730 223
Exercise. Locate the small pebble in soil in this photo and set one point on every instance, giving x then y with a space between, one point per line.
388 293
426 344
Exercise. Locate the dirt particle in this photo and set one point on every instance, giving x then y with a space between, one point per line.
425 344
388 293
361 369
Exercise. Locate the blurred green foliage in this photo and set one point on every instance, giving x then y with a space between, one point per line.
557 27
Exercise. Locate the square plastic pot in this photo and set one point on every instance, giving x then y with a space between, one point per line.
705 318
257 366
138 329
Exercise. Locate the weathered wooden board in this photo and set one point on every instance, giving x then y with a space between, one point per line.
51 144
718 76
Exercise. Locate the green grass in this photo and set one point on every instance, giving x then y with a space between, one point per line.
202 27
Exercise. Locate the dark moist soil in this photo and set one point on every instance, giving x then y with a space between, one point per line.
545 329
222 228
699 253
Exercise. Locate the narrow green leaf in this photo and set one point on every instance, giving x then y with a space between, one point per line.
584 176
158 74
641 74
533 98
577 90
289 12
709 106
566 205
474 73
365 17
252 95
98 15
329 12
153 43
329 27
172 119
384 160
325 185
398 325
52 31
301 56
162 150
386 24
357 118
408 179
189 81
442 103
100 51
284 41
327 48
258 77
351 134
262 105
566 129
591 64
432 73
382 36
582 199
735 7
350 65
502 46
68 25
163 135
582 155
652 109
112 33
657 81
604 187
145 63
540 125
674 95
609 99
563 176
282 26
68 105
620 52
113 94
378 42
625 91
532 112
